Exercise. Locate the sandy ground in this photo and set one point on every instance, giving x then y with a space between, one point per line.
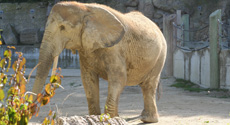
176 106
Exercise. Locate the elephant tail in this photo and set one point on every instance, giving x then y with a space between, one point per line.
159 91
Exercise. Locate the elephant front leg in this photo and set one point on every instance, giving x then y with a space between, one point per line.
91 86
115 87
150 114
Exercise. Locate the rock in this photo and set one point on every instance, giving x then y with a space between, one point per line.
163 4
29 36
166 5
132 3
117 4
89 120
41 33
129 9
158 14
10 35
146 7
50 5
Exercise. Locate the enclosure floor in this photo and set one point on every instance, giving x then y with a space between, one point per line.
176 106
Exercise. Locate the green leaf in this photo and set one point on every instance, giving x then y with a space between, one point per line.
46 121
9 64
5 79
6 53
21 107
30 100
106 107
54 115
102 117
45 100
17 116
26 97
53 79
25 107
3 63
16 101
2 95
24 120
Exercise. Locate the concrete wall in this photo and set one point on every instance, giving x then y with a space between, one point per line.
195 66
225 68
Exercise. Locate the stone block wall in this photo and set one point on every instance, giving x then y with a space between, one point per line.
195 67
22 16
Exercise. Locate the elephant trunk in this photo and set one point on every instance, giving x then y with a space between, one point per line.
46 58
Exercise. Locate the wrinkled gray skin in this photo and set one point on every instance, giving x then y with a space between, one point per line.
125 49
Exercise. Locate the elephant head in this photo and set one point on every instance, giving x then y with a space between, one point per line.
76 26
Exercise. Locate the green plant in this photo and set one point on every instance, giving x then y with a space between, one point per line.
165 77
206 121
105 117
18 106
71 84
187 85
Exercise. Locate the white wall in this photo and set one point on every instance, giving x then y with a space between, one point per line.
195 66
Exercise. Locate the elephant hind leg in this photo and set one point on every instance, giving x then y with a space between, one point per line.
150 114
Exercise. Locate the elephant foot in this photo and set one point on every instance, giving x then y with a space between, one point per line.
111 114
148 117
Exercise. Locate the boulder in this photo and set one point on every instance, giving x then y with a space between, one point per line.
166 5
129 9
29 36
10 35
132 3
158 14
147 8
117 4
90 120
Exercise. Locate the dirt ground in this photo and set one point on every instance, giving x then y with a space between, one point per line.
176 106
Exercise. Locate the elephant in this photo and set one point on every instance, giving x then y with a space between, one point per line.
124 49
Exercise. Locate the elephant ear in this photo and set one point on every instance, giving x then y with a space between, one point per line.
102 29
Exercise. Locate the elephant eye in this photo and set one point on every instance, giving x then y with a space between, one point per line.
62 27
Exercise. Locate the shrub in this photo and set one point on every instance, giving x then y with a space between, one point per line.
18 106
